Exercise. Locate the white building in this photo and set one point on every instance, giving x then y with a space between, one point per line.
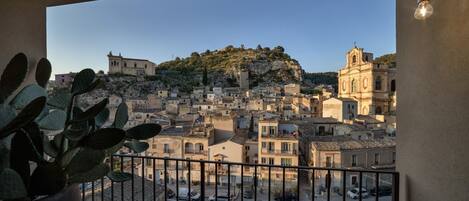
130 66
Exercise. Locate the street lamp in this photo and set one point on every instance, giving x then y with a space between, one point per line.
424 10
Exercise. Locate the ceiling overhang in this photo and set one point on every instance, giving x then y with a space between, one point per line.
51 3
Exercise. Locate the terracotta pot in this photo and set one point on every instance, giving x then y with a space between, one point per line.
71 193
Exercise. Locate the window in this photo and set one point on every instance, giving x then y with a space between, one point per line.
354 59
365 83
285 146
376 158
286 162
264 130
166 148
378 110
246 148
354 160
328 161
125 64
272 130
322 129
343 85
263 160
378 83
153 146
393 85
354 86
393 157
264 145
271 146
271 161
135 65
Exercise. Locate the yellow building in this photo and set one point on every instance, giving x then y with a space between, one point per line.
372 84
278 145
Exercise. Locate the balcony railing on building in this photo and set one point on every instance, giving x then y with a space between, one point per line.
159 178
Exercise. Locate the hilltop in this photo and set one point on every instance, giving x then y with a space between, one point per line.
265 65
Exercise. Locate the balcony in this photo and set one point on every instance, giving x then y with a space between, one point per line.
239 180
280 152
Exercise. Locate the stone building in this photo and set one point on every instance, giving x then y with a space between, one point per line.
130 66
342 109
372 84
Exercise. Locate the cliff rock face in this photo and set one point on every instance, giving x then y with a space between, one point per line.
264 65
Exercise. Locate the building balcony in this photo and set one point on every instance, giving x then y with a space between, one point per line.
280 152
165 177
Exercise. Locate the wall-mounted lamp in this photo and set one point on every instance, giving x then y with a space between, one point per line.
424 10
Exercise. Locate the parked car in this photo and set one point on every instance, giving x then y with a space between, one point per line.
355 194
171 194
289 196
382 191
184 194
248 193
222 196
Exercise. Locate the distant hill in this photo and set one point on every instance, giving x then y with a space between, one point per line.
265 65
389 59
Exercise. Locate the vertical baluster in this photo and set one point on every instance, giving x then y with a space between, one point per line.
270 179
143 179
154 179
133 175
216 181
255 182
165 177
395 186
312 185
360 198
328 184
102 189
112 183
83 186
189 181
177 179
377 187
283 183
92 191
202 180
122 183
242 182
229 181
344 184
298 184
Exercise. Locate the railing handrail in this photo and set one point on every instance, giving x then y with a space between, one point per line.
256 164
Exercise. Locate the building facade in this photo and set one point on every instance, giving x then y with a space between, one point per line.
372 84
130 66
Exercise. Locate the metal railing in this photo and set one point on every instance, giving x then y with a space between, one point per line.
231 181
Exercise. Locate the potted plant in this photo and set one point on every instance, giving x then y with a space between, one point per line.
48 145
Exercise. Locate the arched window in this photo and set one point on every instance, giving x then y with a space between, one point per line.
378 82
188 147
378 110
344 86
393 85
354 85
354 59
365 83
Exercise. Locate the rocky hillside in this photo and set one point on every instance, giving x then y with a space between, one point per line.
264 65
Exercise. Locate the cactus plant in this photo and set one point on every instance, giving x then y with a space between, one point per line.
76 153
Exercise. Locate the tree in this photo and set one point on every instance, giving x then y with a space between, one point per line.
205 77
195 54
259 47
280 49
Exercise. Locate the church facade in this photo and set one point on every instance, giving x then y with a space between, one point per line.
371 84
130 66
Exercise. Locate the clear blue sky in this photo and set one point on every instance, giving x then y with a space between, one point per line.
317 33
